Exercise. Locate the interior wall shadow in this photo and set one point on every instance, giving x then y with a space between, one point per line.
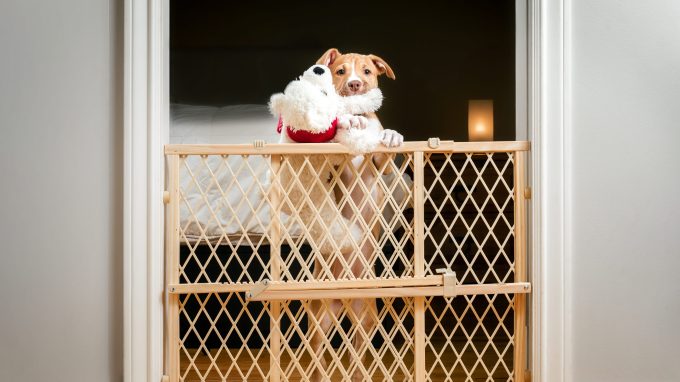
443 54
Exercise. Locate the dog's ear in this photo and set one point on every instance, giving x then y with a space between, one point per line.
382 66
329 57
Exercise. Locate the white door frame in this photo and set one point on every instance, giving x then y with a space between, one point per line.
548 22
146 112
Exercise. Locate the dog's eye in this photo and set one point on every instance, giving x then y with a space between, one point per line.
340 72
367 71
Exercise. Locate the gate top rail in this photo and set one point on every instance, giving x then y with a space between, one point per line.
336 148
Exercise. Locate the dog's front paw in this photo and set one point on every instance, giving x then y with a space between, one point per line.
349 121
358 122
391 138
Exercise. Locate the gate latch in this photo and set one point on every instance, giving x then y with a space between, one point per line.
449 281
257 289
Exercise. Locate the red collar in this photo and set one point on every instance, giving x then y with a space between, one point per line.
302 136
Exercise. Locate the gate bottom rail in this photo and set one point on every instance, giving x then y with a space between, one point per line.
436 285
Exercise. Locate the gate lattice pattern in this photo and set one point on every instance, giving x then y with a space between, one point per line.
281 268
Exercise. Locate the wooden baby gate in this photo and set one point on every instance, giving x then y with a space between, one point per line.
433 290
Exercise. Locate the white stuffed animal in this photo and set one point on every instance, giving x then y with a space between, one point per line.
310 111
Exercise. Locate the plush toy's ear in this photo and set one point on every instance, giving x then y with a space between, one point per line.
382 66
276 104
329 57
363 103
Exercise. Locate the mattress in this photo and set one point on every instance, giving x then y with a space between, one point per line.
196 124
218 194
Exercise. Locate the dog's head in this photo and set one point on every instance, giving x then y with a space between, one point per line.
355 73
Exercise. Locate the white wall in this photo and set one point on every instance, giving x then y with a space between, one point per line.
60 190
623 140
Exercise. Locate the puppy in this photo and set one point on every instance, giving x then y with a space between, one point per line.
355 74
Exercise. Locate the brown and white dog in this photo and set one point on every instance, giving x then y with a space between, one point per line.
357 74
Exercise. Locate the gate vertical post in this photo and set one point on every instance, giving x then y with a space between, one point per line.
172 270
275 262
419 262
519 170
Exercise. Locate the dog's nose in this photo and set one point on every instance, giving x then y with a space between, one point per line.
354 85
318 70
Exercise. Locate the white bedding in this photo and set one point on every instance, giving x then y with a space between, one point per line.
208 210
229 207
192 124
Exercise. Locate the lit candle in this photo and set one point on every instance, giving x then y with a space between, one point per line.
480 120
